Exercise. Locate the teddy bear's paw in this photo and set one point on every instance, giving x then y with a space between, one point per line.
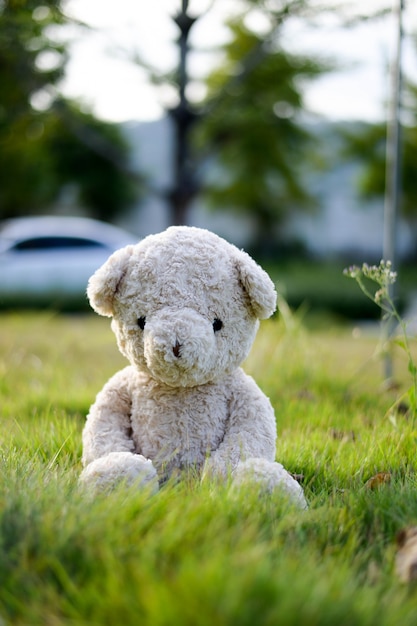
107 472
270 478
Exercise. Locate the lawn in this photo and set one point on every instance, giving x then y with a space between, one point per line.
196 554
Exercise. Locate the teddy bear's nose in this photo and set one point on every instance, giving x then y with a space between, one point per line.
177 349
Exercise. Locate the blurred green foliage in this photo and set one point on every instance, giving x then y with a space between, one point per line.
47 142
319 288
252 123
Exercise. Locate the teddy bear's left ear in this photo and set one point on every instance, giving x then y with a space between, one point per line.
258 286
104 283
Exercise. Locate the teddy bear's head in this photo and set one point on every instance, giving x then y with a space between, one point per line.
185 304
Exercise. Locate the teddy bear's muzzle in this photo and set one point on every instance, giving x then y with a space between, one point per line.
180 347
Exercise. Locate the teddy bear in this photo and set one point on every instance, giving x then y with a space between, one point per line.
185 307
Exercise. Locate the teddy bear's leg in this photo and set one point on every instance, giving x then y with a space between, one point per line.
270 477
106 472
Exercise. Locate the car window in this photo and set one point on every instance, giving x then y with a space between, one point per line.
57 243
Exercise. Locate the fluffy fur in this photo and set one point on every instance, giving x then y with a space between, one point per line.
185 307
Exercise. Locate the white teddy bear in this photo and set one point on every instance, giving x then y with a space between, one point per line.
185 306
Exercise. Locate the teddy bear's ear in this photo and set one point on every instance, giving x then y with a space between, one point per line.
103 284
258 286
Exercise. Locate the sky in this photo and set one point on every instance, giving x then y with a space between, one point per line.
101 72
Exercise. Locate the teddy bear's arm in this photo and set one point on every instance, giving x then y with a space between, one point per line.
108 427
251 428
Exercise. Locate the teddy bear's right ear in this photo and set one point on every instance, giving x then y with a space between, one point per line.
104 283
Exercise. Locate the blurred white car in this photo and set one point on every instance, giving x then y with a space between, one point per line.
50 259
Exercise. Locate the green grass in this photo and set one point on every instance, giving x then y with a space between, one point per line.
195 554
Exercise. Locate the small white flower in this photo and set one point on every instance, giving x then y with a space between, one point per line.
352 272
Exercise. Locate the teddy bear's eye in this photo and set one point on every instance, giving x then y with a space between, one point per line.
141 322
217 325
